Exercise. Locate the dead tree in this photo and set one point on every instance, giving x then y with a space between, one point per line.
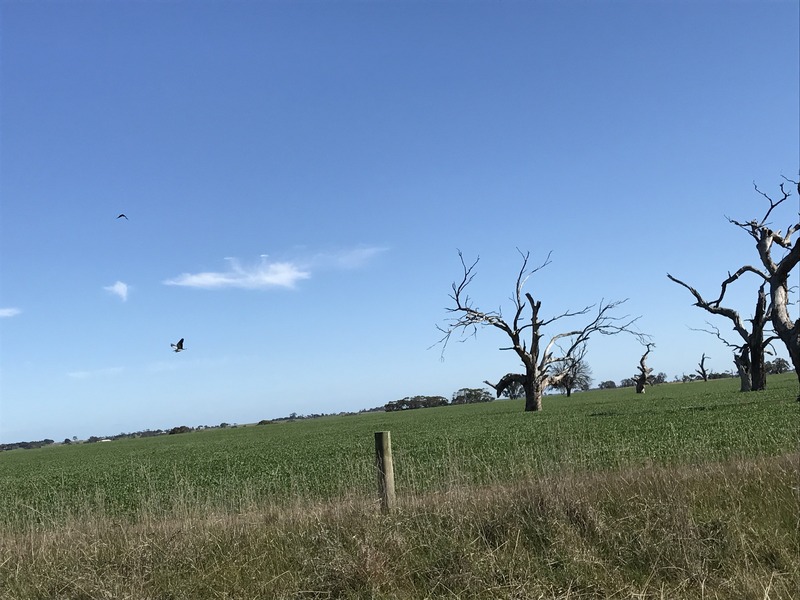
525 330
643 376
701 367
755 376
775 272
741 357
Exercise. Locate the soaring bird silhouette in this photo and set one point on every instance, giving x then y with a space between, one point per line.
122 216
179 346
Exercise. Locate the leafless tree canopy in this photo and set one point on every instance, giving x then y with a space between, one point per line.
525 330
774 273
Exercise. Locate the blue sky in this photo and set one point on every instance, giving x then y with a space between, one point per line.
298 177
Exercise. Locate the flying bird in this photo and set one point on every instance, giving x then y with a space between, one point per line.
122 215
179 346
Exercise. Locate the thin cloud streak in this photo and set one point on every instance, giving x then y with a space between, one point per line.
9 312
269 274
119 289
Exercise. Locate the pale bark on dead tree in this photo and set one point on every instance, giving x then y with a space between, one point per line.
525 331
775 273
754 376
644 371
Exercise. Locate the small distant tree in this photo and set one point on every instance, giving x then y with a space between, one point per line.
180 429
67 441
627 382
575 375
513 390
471 396
607 385
657 379
777 366
412 402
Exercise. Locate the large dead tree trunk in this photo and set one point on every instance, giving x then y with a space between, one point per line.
542 362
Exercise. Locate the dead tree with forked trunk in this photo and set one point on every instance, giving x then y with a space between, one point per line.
525 330
643 376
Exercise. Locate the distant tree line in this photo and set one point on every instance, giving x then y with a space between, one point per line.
26 445
414 402
462 396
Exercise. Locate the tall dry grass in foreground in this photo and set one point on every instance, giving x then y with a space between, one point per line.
718 530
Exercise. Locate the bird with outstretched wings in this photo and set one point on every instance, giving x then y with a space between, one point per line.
179 346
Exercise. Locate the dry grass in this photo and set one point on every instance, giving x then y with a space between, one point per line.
721 530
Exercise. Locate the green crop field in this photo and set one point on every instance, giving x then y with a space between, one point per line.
689 491
332 457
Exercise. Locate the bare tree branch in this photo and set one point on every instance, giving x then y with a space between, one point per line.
715 332
714 307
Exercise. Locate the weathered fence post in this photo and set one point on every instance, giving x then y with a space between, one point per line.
383 460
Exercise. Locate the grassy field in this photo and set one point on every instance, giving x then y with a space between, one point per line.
690 490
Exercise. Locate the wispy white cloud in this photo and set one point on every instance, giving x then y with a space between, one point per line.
119 288
267 273
263 274
94 373
9 312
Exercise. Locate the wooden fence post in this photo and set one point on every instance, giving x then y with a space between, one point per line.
383 460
